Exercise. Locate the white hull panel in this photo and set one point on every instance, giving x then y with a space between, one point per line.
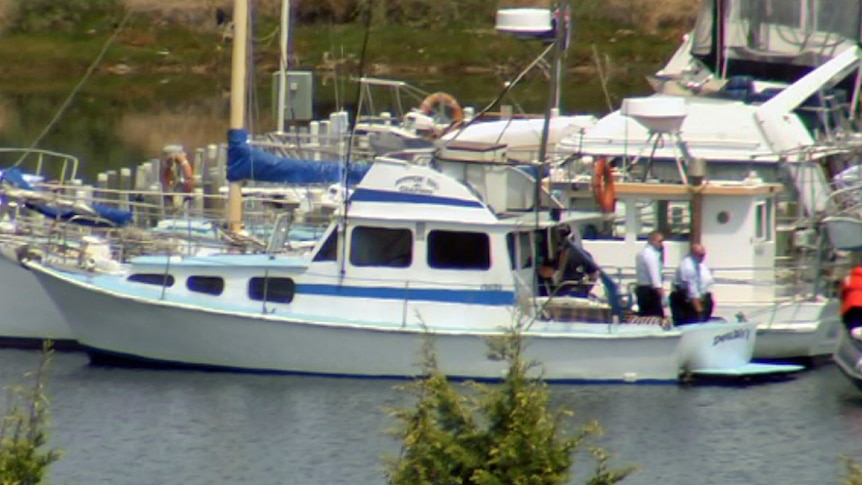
716 346
172 333
27 313
797 330
845 232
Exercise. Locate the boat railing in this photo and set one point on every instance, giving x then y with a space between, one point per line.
845 200
47 164
797 282
195 219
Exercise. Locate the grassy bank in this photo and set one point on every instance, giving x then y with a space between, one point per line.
160 53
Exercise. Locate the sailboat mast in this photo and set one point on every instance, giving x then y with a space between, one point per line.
282 72
237 104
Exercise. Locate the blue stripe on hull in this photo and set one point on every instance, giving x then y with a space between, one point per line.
370 195
99 357
481 297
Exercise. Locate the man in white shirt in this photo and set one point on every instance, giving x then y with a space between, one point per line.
649 263
691 300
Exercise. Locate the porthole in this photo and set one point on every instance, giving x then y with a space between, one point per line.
211 285
159 279
276 290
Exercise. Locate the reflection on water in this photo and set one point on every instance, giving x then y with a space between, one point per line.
107 133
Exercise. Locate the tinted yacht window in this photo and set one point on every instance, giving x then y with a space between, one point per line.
211 285
459 250
381 246
159 279
276 290
329 249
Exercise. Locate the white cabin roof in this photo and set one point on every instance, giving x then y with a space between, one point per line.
713 129
397 190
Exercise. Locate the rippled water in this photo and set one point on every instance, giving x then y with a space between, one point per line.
159 427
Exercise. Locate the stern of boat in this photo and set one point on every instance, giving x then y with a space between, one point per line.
848 357
717 345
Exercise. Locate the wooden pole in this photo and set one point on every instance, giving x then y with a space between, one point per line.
696 179
237 104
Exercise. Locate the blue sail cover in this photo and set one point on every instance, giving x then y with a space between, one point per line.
15 176
247 163
105 216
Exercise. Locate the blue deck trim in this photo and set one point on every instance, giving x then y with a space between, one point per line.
477 297
370 195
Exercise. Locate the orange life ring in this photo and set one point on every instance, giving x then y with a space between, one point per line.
179 162
603 185
431 104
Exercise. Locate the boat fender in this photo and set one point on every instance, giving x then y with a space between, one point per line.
431 104
602 185
178 163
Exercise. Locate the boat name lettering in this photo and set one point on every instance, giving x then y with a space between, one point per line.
739 333
417 184
491 287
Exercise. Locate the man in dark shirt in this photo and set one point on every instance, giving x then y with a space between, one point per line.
576 268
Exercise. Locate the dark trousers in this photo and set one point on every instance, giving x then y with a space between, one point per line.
682 309
649 301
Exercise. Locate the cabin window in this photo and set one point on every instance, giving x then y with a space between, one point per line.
763 221
543 251
211 285
159 279
525 249
276 290
459 250
671 217
520 250
329 249
381 246
512 246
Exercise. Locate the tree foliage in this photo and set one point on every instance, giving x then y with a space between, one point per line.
506 434
23 457
853 472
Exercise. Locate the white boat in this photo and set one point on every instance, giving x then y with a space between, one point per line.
29 316
754 106
420 255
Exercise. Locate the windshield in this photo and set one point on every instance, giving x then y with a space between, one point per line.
803 33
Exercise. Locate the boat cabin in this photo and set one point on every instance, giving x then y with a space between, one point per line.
413 245
736 226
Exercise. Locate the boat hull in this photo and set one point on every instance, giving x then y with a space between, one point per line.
716 346
793 331
112 325
848 358
29 315
845 232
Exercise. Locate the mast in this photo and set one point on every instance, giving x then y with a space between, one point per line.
237 104
282 74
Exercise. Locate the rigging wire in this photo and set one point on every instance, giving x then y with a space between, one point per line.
78 87
346 175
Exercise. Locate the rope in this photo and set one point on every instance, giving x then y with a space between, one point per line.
77 88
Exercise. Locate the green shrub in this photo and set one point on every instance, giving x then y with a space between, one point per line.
490 435
853 474
23 459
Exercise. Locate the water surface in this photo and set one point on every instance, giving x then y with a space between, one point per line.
144 427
